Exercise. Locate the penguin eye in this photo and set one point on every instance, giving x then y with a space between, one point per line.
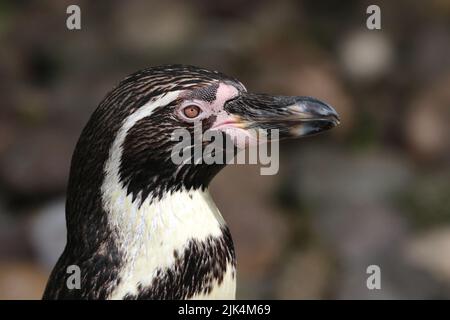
191 111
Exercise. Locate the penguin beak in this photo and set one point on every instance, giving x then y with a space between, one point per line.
292 116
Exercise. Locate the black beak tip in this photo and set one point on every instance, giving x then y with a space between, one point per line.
321 111
329 120
335 120
317 116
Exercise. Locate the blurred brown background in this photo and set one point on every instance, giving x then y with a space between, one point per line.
375 190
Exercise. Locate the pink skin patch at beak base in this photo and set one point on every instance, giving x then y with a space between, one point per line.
228 123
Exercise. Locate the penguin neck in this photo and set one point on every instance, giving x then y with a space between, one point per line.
161 224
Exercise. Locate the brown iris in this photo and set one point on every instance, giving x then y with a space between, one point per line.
191 111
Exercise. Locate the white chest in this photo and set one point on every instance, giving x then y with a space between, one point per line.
157 237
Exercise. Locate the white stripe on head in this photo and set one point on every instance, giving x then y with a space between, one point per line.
111 182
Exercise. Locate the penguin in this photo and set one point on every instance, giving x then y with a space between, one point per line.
142 226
